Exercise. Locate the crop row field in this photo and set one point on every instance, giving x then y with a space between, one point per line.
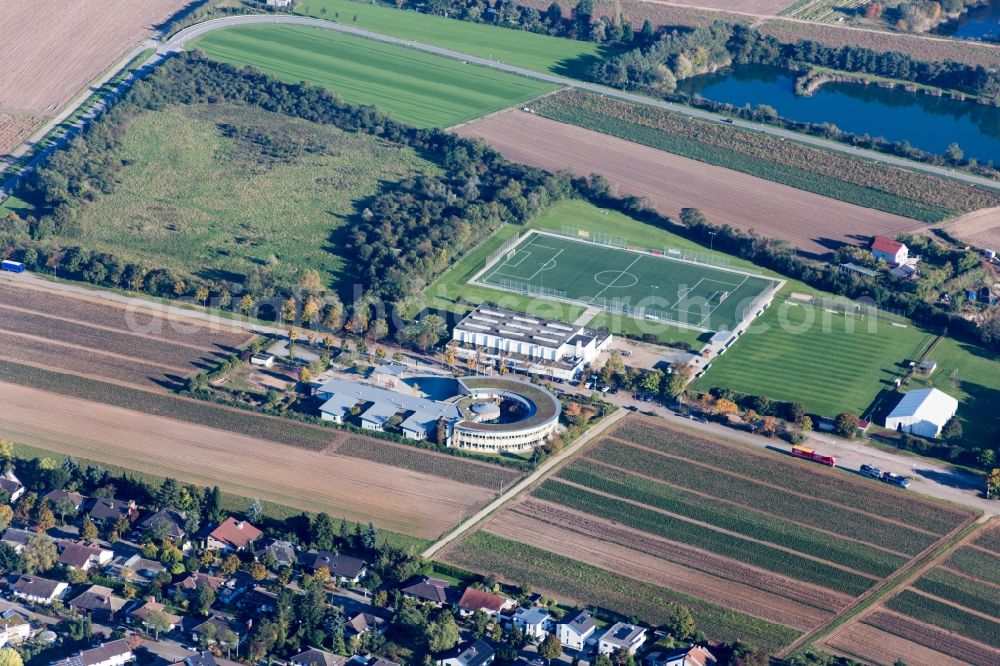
764 536
414 87
107 340
829 362
861 182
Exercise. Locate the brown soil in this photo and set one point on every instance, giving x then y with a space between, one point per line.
396 499
907 629
811 222
758 7
14 129
861 641
687 557
53 48
105 340
980 228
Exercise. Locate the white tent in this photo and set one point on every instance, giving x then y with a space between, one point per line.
922 412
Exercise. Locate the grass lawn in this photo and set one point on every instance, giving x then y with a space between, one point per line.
972 375
566 57
414 87
214 201
797 352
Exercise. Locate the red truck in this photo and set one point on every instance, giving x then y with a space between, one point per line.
809 454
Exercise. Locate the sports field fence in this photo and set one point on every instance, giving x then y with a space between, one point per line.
858 309
504 248
688 255
528 289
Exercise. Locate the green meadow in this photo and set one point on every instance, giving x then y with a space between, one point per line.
414 87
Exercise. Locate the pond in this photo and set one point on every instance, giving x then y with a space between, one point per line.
980 23
929 123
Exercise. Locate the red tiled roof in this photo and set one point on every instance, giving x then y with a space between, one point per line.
887 245
474 599
236 533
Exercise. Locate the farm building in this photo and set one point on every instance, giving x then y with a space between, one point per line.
527 344
889 250
922 412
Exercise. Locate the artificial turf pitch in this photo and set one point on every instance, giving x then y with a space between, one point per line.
640 283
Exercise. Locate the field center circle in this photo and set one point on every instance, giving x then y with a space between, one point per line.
617 279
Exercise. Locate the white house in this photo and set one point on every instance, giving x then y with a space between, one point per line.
10 483
922 412
477 654
535 622
689 656
14 629
575 632
38 590
889 250
83 556
621 635
115 653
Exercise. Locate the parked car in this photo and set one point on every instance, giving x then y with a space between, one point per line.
871 471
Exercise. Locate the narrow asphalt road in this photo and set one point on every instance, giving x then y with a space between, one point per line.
180 41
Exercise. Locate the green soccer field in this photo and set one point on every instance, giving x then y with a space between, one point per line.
641 284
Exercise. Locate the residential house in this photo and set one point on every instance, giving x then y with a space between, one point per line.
14 628
17 538
476 654
141 613
83 556
342 568
75 500
282 552
98 601
534 621
431 591
107 511
317 657
362 623
259 601
232 535
889 250
200 659
575 631
38 590
115 653
689 656
473 600
166 523
10 484
621 635
191 582
214 627
136 563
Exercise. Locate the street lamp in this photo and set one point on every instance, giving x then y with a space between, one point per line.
711 244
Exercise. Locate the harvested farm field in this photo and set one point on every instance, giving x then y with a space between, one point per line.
100 339
980 228
815 224
54 48
396 499
755 7
14 128
874 645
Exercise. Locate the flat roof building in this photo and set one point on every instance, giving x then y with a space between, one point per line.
527 344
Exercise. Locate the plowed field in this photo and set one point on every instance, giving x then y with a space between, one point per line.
862 641
104 340
813 223
14 129
400 500
51 48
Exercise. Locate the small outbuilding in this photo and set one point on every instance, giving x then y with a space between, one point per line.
263 360
922 412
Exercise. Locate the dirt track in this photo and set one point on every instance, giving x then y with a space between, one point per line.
524 523
396 499
51 49
814 223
